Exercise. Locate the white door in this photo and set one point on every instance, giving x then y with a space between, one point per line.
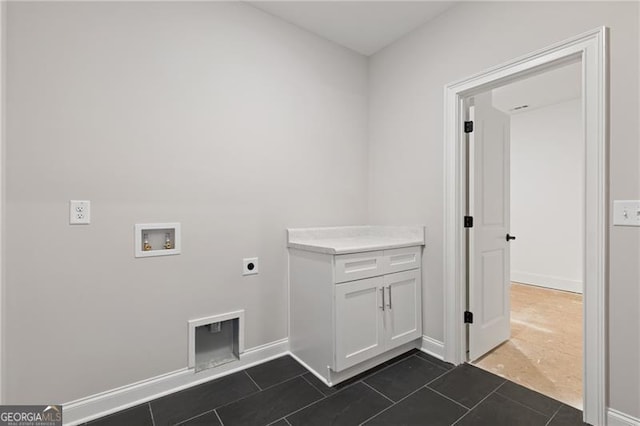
359 327
404 307
489 203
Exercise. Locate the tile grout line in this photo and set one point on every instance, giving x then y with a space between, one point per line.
378 392
349 386
279 383
445 372
306 406
450 399
433 363
181 422
278 420
554 415
153 421
251 378
339 390
218 416
523 404
392 405
284 381
314 386
231 402
383 368
480 402
377 371
255 393
442 375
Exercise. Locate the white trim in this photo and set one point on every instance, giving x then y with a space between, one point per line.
192 324
591 49
547 281
433 347
308 367
109 402
617 418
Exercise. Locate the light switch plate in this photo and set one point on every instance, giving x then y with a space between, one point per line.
79 212
626 212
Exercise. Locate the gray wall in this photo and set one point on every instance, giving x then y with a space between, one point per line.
214 115
406 83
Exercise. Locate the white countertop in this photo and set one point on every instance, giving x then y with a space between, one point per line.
353 239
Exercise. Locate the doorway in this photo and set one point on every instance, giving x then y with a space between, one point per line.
541 347
590 50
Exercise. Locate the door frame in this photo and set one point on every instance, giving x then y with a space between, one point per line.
591 48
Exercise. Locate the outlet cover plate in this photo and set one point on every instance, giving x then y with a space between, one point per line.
250 266
79 212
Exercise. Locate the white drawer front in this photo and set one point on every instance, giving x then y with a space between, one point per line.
402 259
349 267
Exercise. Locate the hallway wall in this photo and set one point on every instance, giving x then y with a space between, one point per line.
547 196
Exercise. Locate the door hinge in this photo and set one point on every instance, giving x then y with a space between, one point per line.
468 221
468 126
468 317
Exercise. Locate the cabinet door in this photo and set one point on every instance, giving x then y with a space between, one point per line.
359 325
403 307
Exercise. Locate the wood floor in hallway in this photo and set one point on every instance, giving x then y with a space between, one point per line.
545 349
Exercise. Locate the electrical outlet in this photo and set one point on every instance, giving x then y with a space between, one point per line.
79 212
250 266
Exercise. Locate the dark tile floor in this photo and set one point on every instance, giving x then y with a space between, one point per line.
412 389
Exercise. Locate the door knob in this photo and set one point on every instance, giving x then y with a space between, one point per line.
510 237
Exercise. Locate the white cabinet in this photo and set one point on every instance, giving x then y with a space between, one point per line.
350 312
360 333
376 314
403 320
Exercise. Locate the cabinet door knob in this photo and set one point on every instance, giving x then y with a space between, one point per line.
382 290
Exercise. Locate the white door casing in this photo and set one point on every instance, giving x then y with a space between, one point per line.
591 48
489 205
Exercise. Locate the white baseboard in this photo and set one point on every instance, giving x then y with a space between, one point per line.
433 347
102 404
616 418
547 281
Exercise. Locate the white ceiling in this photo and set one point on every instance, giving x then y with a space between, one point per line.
363 26
552 87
